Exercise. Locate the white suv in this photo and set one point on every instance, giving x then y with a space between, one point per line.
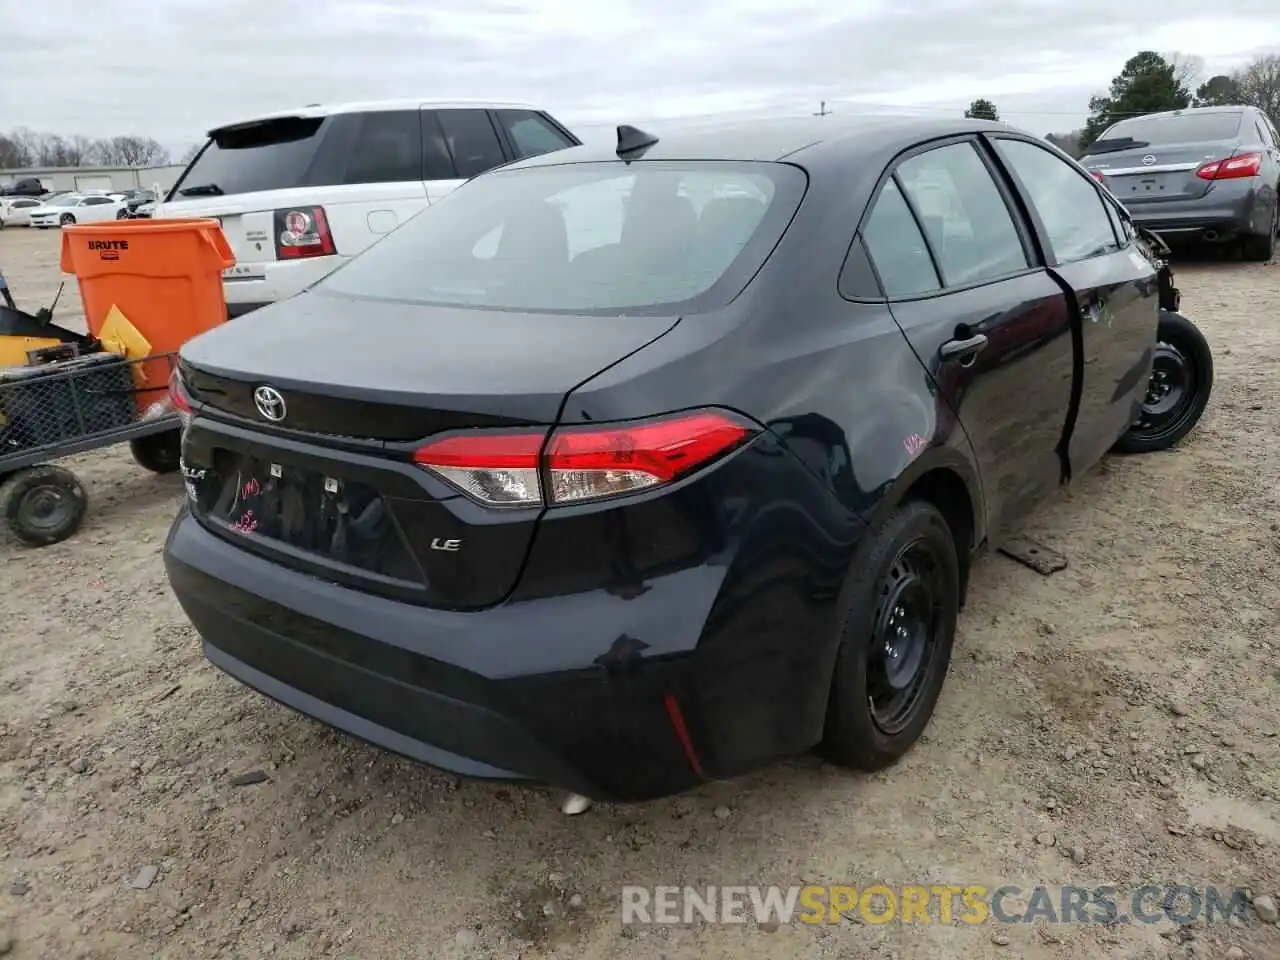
300 192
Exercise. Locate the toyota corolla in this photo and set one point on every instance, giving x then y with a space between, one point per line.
622 470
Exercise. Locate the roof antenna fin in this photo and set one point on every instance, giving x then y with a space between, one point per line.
632 142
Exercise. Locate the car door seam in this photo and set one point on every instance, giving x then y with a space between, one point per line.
1076 311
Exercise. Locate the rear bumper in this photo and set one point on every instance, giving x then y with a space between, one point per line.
277 280
1227 210
467 693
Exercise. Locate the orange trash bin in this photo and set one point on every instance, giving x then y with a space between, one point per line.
165 276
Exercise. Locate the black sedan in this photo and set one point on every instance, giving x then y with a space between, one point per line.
622 470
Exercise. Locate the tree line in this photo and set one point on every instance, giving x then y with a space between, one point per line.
1152 82
22 148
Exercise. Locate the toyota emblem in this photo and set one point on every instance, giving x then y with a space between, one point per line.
269 403
1148 160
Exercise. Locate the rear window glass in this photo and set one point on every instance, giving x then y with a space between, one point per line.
273 155
1187 128
585 238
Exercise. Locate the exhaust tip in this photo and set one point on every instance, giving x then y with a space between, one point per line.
1210 235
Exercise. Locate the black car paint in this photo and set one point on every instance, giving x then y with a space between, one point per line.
711 605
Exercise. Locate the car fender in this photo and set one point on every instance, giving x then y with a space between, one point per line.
953 457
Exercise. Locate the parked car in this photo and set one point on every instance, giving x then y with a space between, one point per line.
133 199
301 192
1207 173
625 469
72 208
26 187
16 211
143 211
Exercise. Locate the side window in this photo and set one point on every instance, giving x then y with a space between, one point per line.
1069 204
472 141
1275 137
964 215
386 149
531 133
96 201
897 247
1264 133
437 163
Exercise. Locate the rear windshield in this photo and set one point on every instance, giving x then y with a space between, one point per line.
272 155
1187 128
585 238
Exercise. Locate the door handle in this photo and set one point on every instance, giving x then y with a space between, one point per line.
963 349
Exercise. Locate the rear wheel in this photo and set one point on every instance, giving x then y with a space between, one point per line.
42 505
1179 388
1263 248
896 639
159 452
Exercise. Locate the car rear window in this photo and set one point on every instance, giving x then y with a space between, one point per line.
586 238
267 155
1187 128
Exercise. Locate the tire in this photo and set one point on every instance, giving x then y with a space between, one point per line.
1260 249
42 505
158 452
66 220
913 541
1179 388
122 214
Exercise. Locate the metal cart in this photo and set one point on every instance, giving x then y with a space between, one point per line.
57 409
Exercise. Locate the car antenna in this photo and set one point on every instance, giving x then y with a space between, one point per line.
633 142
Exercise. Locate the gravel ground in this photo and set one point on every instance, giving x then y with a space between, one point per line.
1115 723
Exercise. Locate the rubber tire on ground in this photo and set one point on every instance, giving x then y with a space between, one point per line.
67 220
158 452
1260 249
851 737
17 486
1177 330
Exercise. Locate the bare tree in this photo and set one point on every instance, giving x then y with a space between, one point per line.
1259 85
1187 68
190 153
13 153
132 151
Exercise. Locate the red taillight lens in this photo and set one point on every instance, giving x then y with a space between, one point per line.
582 463
1098 175
178 398
303 232
1245 165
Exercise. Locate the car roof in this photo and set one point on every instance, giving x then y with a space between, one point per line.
796 140
376 106
1229 108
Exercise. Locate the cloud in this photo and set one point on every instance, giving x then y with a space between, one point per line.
173 70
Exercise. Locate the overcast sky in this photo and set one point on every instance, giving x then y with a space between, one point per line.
174 68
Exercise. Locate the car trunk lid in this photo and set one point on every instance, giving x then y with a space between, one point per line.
1155 174
328 486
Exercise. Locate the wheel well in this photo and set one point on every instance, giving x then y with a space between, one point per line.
945 490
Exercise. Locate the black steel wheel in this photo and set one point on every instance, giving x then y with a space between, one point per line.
895 646
42 505
1178 390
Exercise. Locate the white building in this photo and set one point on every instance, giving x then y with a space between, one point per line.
97 178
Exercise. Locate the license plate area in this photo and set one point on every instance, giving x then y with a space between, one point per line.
323 516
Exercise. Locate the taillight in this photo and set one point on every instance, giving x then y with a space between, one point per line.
580 464
1098 175
178 399
1232 168
303 232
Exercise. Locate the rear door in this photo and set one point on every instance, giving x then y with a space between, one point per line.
1112 285
470 140
1165 152
989 324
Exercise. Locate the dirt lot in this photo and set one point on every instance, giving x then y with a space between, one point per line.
1114 724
